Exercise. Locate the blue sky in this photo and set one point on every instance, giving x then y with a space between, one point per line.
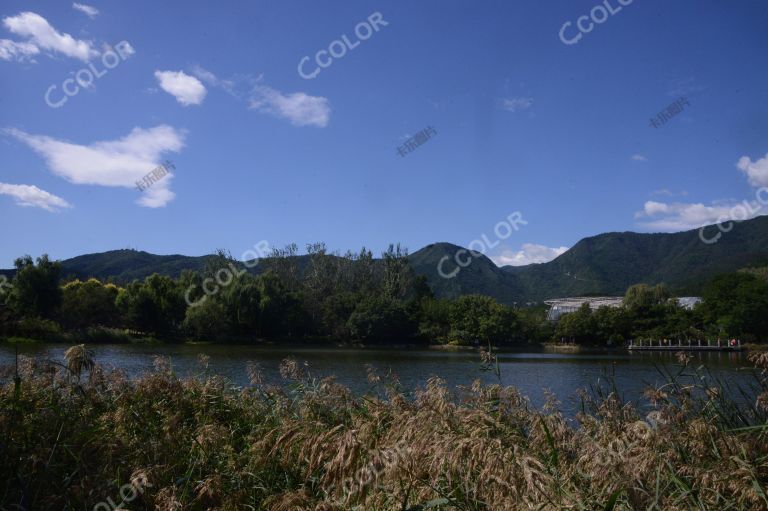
524 122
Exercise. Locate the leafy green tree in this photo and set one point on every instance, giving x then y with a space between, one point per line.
320 280
613 325
648 308
335 314
578 326
364 272
477 319
36 291
156 305
89 303
241 301
421 289
191 285
760 272
381 319
206 321
643 297
281 311
434 320
534 325
502 326
737 303
284 262
397 279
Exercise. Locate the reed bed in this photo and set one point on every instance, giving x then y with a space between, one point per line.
74 434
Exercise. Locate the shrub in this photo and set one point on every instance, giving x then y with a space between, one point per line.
38 328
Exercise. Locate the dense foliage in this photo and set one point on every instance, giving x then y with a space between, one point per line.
320 295
734 305
353 297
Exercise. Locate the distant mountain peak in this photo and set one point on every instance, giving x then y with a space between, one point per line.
604 264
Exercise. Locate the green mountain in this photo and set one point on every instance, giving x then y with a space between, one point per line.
609 263
126 265
480 276
606 264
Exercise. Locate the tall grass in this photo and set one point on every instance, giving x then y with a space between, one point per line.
72 433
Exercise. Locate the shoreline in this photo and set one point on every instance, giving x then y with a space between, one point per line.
329 344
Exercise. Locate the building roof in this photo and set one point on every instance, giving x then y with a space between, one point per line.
593 301
560 306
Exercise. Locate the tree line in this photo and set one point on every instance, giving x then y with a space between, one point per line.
350 297
734 305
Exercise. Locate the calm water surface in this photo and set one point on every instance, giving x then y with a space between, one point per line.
532 373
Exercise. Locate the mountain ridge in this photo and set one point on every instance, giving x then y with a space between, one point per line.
603 264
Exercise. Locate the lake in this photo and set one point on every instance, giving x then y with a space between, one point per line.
532 373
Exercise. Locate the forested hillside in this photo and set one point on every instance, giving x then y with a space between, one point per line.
606 264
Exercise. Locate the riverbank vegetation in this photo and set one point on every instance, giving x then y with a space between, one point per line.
351 298
734 306
76 434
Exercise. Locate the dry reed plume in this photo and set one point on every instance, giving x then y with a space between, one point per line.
201 443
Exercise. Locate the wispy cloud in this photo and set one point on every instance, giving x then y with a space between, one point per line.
114 163
684 87
639 157
187 89
229 86
517 104
42 35
299 108
88 10
12 50
680 216
669 193
34 197
529 253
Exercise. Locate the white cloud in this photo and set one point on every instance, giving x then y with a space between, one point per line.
12 50
652 208
32 196
530 253
205 75
639 157
211 79
124 48
88 10
156 196
680 216
669 193
756 171
517 104
116 163
41 34
298 107
187 90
